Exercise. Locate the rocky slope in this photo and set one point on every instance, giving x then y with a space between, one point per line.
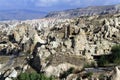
89 11
55 45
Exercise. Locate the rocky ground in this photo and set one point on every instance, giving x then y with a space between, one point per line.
54 46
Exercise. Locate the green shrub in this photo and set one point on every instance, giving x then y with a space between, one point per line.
116 49
33 76
103 61
23 76
87 65
88 75
113 58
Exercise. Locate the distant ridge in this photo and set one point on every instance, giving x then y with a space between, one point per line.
22 14
88 11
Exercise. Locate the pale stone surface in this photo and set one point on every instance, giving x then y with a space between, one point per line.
80 42
17 36
37 38
8 78
25 39
56 70
71 77
54 44
13 74
68 43
116 74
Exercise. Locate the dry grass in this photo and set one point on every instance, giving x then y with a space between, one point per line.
4 59
65 58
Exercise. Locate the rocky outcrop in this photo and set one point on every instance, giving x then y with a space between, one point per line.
57 70
54 45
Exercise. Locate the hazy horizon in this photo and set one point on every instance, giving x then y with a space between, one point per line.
52 5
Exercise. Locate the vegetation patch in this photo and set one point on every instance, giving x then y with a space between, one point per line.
88 65
66 73
33 76
113 58
88 75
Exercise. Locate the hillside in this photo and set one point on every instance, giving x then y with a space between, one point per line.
89 11
24 14
20 14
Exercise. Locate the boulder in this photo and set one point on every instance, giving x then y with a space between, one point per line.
116 22
8 78
37 38
17 36
54 44
111 22
43 53
116 74
106 22
68 43
13 74
25 39
57 70
72 77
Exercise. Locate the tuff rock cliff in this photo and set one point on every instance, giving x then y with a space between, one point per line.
55 45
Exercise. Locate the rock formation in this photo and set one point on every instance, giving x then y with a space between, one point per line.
54 45
116 74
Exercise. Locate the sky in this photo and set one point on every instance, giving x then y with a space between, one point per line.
52 5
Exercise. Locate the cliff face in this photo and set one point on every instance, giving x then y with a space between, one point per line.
55 45
89 11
